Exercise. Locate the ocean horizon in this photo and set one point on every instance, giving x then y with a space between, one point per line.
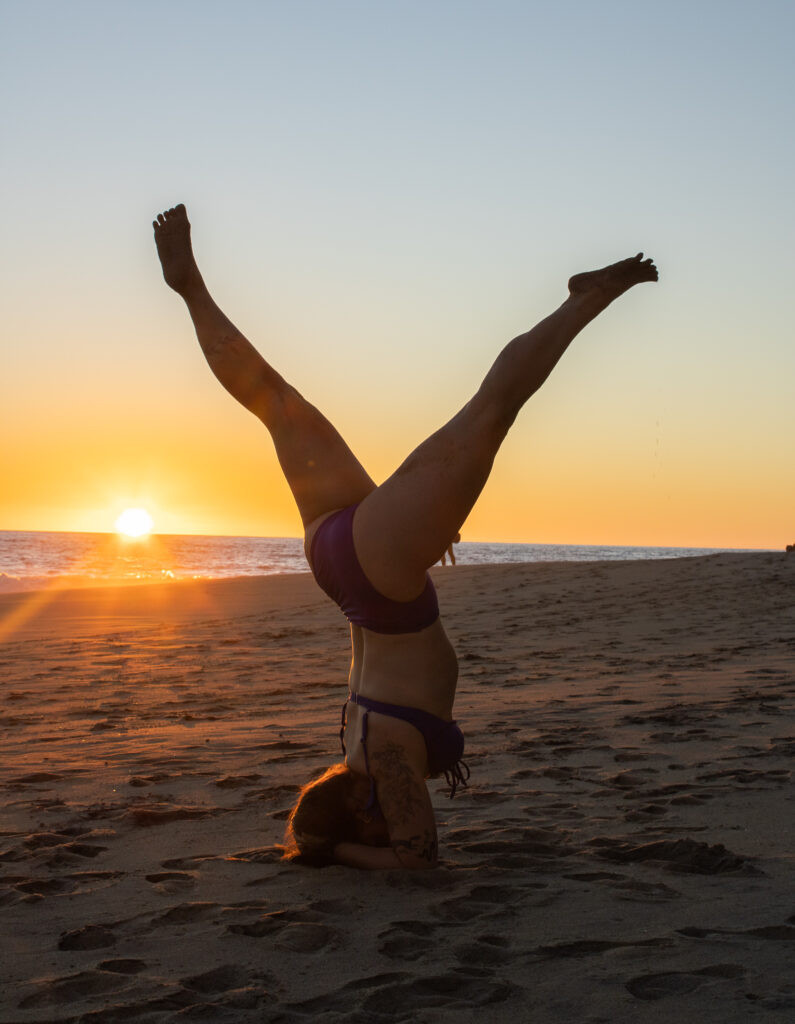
32 560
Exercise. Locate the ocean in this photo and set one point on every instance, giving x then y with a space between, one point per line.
35 560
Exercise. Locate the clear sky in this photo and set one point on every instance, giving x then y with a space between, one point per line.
382 194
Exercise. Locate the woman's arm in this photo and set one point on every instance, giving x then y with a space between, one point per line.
406 806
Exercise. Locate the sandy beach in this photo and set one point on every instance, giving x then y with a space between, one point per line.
624 851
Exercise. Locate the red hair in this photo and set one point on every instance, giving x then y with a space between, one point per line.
322 817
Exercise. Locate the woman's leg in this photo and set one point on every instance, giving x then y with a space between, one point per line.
403 527
322 471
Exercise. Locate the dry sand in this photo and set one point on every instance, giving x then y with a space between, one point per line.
624 852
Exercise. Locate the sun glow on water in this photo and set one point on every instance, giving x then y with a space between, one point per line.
134 522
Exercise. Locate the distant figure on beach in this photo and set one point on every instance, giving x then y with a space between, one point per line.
450 553
370 548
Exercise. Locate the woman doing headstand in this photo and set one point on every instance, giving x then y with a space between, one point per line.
370 547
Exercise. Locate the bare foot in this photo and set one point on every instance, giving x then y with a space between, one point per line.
608 283
172 237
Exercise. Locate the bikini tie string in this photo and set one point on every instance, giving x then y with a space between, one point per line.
455 776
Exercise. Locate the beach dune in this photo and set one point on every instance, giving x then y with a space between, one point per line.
624 850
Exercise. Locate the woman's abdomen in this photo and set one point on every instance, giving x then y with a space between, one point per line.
414 669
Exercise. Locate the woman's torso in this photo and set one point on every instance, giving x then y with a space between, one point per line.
416 670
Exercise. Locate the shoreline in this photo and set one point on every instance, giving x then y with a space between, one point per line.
142 602
268 554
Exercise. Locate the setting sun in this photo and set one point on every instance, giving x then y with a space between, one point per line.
134 522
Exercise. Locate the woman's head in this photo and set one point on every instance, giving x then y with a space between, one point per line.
330 810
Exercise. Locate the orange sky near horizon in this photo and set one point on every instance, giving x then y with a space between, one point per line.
380 200
647 486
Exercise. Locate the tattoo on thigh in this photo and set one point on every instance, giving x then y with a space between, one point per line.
397 784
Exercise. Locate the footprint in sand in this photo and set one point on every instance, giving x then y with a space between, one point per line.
124 965
45 886
34 779
220 979
750 778
46 839
298 930
237 781
685 855
259 855
452 991
675 983
483 901
69 989
169 882
333 907
384 992
407 940
483 796
344 999
521 847
645 892
306 937
631 778
630 755
485 952
186 913
90 936
69 854
163 814
187 863
646 813
628 888
589 947
772 933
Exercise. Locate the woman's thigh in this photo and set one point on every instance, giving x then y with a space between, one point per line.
403 526
320 468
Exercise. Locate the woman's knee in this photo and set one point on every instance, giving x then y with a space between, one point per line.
494 415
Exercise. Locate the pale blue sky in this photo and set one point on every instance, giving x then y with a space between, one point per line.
383 194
